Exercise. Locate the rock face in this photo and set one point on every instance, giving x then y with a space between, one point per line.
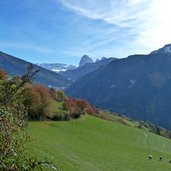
138 86
85 60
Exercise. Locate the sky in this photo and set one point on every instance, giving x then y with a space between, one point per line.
61 31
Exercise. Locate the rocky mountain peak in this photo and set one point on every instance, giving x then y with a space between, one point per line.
85 60
97 60
103 58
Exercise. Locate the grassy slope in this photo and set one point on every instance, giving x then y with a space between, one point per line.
94 144
56 106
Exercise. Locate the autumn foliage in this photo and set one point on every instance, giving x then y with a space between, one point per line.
3 74
77 107
37 100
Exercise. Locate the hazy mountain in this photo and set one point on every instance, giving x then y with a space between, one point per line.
79 72
85 60
164 50
56 67
15 66
138 86
97 60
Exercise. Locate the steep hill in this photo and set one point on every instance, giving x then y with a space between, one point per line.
15 66
138 86
94 144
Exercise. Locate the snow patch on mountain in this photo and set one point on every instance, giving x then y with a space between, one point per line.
56 67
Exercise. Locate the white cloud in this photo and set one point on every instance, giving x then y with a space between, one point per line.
146 20
112 11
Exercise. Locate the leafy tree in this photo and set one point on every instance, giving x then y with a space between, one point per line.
52 92
37 100
60 95
74 110
3 74
11 88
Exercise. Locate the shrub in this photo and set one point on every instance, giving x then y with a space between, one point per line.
3 74
61 116
77 107
60 95
122 121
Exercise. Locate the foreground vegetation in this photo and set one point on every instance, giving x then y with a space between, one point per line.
90 143
13 114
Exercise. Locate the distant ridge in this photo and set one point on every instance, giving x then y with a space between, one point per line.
81 71
164 50
15 66
56 67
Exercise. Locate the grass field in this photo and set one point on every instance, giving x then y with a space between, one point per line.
93 144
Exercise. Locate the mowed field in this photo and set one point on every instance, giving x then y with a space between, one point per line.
93 144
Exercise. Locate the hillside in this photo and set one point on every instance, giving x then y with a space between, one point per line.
138 86
93 144
15 66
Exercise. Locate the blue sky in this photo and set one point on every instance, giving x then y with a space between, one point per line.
63 30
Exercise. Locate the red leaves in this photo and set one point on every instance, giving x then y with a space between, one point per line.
37 100
77 107
3 74
41 92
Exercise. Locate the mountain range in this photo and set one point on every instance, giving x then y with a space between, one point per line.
56 67
86 67
138 86
56 75
72 73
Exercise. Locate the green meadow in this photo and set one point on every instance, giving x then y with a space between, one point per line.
93 144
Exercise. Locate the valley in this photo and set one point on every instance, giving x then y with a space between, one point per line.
85 85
